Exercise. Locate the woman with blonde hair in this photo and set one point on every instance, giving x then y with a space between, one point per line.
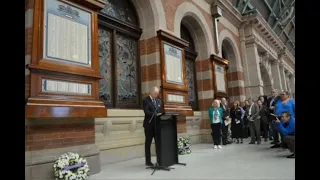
215 117
237 124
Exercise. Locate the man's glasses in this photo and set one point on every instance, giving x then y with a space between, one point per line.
282 94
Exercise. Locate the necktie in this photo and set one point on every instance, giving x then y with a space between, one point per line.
154 102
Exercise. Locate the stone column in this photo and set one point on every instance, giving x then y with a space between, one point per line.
292 83
253 80
266 75
287 80
283 77
276 74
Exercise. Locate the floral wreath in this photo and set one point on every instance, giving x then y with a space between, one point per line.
71 166
184 146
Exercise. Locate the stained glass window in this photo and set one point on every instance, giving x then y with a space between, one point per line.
122 10
190 67
126 70
185 35
118 55
105 66
191 84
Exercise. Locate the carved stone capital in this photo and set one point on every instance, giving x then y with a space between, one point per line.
292 76
265 55
281 65
250 41
274 61
244 24
286 71
281 52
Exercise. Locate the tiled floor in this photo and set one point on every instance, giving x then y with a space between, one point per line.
236 161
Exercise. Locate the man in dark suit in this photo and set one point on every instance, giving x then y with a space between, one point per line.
226 130
271 102
151 107
252 113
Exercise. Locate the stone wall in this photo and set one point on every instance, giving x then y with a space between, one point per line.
47 139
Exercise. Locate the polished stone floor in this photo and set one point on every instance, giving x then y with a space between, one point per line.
235 161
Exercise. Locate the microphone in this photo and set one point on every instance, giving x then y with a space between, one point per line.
161 100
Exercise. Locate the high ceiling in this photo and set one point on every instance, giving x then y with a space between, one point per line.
280 15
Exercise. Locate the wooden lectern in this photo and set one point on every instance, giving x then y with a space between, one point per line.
167 142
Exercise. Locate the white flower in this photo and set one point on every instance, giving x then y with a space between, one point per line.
68 159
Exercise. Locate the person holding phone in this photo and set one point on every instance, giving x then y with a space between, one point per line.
287 129
286 104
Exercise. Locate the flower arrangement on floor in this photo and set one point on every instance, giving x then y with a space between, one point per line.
184 146
71 166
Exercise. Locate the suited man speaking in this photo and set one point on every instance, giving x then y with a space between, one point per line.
151 107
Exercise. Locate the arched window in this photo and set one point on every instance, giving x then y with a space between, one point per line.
119 33
190 56
223 51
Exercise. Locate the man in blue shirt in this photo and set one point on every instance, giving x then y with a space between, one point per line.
287 129
286 104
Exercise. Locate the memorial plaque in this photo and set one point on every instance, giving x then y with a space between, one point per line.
65 87
67 33
173 64
220 78
176 98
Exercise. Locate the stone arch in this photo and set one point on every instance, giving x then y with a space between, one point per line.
192 17
235 71
226 36
151 17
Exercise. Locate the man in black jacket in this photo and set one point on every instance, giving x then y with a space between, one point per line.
226 130
271 102
151 107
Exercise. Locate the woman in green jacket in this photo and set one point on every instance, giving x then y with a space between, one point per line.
215 116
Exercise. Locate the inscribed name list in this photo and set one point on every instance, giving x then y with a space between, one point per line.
220 79
67 39
173 59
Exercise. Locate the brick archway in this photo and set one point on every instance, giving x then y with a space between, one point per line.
190 14
151 15
235 76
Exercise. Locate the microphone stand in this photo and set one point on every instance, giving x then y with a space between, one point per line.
157 167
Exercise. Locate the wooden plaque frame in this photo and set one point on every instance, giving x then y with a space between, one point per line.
215 60
174 89
48 105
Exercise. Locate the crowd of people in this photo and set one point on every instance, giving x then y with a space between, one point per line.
266 118
270 118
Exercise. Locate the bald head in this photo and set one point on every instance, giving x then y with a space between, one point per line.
274 92
223 101
154 92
